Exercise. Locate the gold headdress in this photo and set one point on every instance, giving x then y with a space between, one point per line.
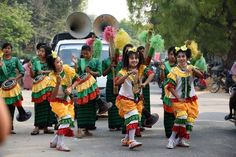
183 48
132 49
54 54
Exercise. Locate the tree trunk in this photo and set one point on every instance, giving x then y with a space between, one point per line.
231 57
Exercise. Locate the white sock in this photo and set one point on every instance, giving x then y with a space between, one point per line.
131 134
127 136
173 135
55 139
60 140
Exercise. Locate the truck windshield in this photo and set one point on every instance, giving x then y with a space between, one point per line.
66 51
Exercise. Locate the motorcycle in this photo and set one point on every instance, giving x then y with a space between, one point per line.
232 102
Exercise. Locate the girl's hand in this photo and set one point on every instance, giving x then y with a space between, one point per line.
189 70
87 69
136 90
162 66
58 79
134 71
113 64
29 65
68 90
74 59
143 85
13 78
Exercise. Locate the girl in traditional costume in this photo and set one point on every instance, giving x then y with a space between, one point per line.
39 70
10 90
151 118
130 101
88 92
180 90
168 112
118 68
62 80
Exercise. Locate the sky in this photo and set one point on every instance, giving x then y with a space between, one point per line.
117 8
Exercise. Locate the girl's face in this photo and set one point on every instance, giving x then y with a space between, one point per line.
86 54
133 61
41 53
7 50
171 57
58 64
142 51
182 59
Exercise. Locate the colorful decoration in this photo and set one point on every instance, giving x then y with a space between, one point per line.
157 43
109 33
97 48
89 42
183 48
54 54
143 36
121 39
197 58
193 46
132 49
201 64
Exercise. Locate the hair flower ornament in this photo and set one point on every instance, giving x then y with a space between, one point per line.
183 48
54 54
132 49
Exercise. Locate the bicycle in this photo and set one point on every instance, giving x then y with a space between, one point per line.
218 83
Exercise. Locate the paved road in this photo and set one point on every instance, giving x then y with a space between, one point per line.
212 136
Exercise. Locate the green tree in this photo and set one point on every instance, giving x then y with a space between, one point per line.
212 23
49 16
15 24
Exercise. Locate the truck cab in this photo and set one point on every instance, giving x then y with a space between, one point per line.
66 48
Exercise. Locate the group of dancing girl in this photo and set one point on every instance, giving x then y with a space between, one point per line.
63 94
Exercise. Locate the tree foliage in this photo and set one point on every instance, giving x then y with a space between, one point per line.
15 24
212 23
45 17
49 16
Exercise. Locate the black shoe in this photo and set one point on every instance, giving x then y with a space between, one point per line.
92 128
34 132
229 116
